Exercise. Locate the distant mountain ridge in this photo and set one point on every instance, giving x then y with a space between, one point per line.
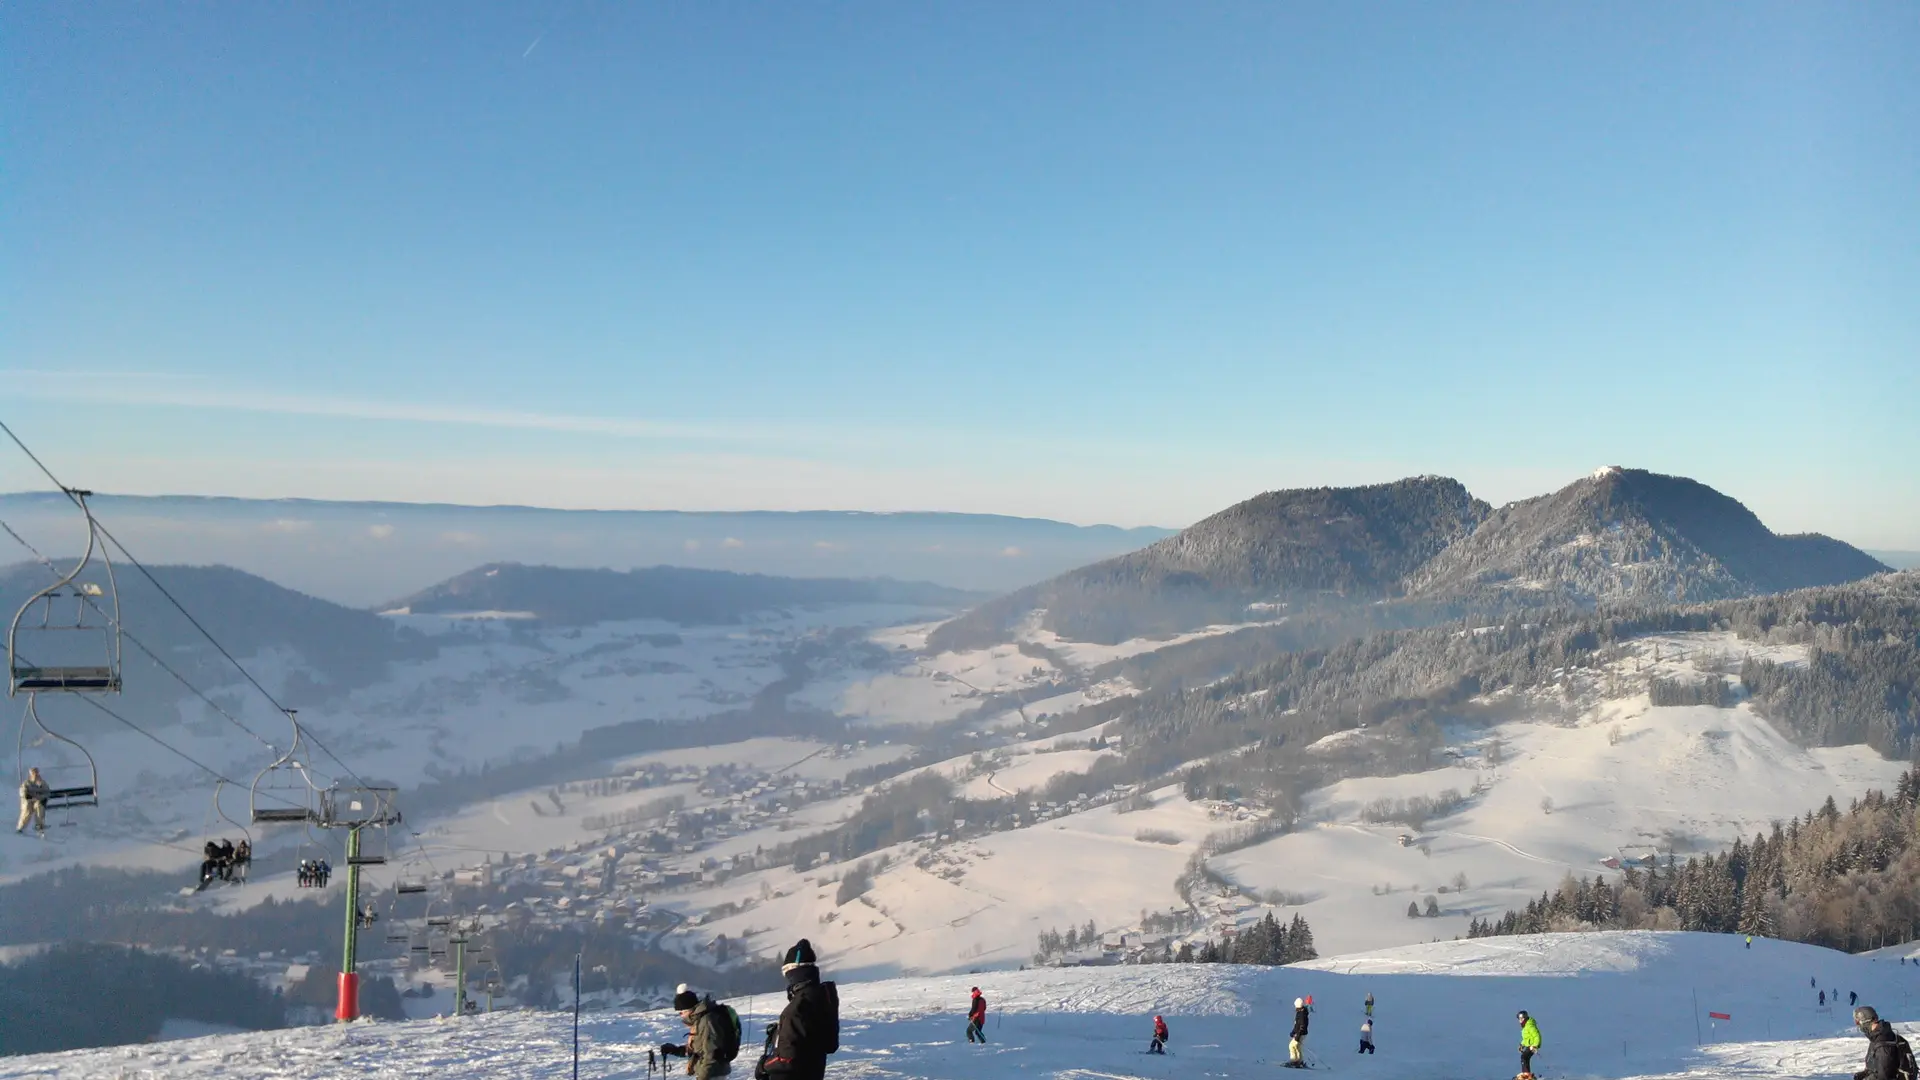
1280 547
1618 535
1633 535
363 553
677 594
342 648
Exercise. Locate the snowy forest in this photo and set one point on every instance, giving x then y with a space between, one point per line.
1848 880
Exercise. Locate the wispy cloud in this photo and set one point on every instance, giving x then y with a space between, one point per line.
162 390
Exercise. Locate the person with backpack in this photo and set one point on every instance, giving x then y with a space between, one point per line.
1296 1041
1159 1043
1889 1057
1529 1045
1366 1036
977 1019
713 1036
809 1027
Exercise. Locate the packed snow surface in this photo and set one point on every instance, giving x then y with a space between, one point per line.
1609 1005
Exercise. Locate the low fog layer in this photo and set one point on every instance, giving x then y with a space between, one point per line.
369 553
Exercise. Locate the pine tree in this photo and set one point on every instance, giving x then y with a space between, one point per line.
1300 941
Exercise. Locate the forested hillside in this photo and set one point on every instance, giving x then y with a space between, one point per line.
342 648
1285 548
1845 880
1629 535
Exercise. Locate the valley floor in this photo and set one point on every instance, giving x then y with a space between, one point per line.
1615 1005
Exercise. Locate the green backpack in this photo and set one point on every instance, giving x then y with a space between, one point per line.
726 1033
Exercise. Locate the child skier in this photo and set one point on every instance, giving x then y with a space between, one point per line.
1529 1045
1366 1036
1159 1044
1369 1005
977 1019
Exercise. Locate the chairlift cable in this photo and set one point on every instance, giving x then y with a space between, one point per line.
141 645
197 625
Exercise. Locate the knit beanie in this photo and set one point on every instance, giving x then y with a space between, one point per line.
801 953
685 999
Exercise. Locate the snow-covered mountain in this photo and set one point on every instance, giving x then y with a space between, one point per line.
1354 544
1432 551
1627 535
1643 1005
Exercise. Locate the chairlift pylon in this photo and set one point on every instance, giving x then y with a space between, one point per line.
81 656
63 765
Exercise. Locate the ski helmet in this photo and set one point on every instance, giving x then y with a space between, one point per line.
1299 1003
1865 1015
1521 1015
1156 1018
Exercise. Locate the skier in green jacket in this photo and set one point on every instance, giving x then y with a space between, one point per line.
1529 1045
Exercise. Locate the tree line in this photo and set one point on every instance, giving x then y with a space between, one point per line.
1847 880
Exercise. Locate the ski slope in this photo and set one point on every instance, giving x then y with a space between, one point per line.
1609 1005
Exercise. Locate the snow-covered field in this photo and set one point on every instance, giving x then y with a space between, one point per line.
1630 778
1609 1005
495 691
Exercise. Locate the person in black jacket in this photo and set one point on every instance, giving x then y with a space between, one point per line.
1299 1037
808 1028
1888 1055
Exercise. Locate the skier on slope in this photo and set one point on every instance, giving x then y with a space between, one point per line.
1369 1005
1299 1036
977 1019
712 1037
1159 1043
1529 1045
1366 1036
809 1027
1888 1055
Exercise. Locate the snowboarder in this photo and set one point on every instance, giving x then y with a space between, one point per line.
1888 1055
1749 941
977 1019
1299 1035
1369 1006
1366 1036
1529 1045
809 1027
1159 1044
33 802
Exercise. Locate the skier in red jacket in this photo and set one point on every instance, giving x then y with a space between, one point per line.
977 1019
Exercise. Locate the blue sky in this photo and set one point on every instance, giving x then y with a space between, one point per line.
1124 263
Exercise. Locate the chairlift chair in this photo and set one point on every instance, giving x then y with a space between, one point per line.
46 651
219 814
374 854
65 766
283 792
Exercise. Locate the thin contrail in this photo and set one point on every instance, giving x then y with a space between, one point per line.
536 44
